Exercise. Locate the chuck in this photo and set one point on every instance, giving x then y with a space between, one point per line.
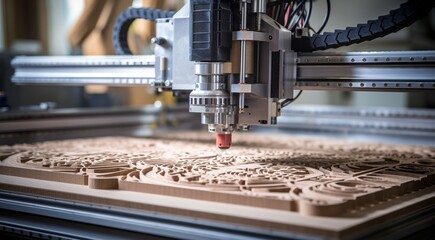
211 98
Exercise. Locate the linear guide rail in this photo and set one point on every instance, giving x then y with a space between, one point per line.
83 70
369 71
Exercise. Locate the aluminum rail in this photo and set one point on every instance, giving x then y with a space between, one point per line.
358 71
399 122
48 218
56 124
84 70
73 118
367 71
102 222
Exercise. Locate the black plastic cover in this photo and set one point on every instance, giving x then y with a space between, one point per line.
210 36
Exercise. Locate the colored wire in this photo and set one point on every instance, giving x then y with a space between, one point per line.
295 13
296 10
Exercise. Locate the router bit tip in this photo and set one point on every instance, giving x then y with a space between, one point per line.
223 141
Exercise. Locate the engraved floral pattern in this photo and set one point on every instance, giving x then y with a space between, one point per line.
315 177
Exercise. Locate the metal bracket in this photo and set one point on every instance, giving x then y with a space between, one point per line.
256 89
251 36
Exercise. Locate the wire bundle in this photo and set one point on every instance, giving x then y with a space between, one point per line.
296 13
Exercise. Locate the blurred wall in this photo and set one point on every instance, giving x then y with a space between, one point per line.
56 20
61 16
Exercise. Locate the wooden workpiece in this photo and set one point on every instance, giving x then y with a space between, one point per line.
312 177
302 176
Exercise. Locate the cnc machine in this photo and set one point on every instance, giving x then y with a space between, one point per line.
239 63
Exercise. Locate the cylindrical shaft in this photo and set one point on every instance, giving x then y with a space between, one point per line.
244 13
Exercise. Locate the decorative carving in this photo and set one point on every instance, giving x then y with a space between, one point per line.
309 176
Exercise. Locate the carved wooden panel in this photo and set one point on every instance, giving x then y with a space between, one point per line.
320 177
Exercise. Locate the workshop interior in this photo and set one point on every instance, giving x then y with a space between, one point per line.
221 73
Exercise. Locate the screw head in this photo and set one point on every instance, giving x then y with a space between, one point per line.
158 41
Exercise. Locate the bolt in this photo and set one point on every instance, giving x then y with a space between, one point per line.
245 127
156 83
158 41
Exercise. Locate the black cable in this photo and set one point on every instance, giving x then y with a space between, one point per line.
126 18
397 19
274 3
311 28
326 19
292 14
276 14
278 9
298 7
298 95
302 15
281 17
290 100
281 9
307 19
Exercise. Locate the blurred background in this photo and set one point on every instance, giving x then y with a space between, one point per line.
84 27
72 27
